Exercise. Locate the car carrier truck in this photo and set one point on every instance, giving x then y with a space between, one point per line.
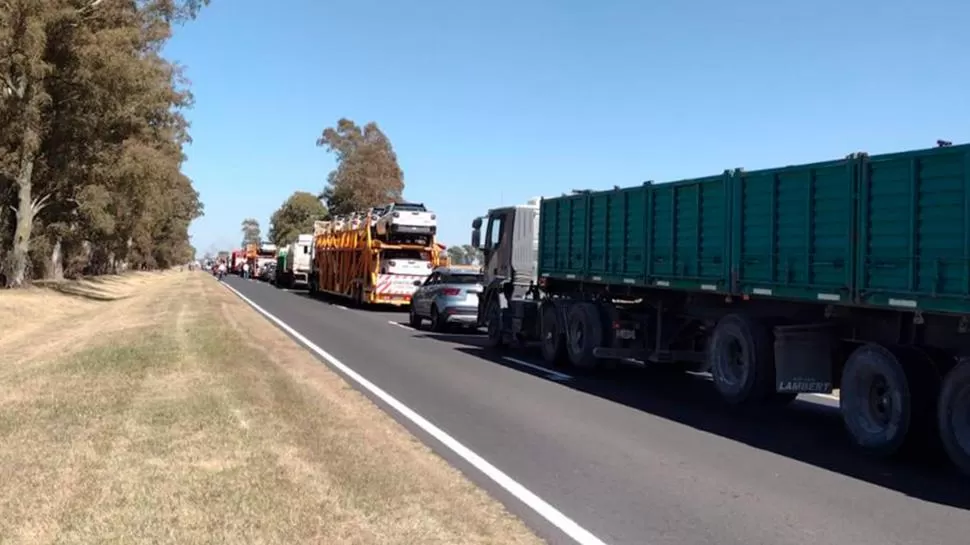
352 264
850 274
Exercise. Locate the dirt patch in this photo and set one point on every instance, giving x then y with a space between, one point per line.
175 414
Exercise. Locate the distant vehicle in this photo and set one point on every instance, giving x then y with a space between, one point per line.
236 260
265 255
448 297
355 266
267 272
293 263
407 221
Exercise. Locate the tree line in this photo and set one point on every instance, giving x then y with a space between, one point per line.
91 138
367 174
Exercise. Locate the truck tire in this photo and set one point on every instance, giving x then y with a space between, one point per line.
494 338
742 360
953 415
585 334
552 338
887 398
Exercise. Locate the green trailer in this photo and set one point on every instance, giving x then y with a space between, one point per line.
887 231
851 274
281 262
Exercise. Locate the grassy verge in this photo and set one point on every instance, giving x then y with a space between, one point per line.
166 411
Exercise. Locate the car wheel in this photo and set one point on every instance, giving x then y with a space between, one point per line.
437 324
413 319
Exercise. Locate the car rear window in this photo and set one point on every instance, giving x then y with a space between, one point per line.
408 207
461 279
416 255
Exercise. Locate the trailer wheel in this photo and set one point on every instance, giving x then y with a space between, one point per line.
551 331
742 360
887 397
584 335
953 415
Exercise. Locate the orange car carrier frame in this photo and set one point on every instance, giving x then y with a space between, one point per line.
355 265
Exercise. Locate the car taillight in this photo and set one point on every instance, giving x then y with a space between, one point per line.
392 263
428 265
450 292
396 214
434 216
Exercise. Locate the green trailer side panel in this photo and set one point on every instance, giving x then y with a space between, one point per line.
792 232
914 249
688 236
617 234
563 231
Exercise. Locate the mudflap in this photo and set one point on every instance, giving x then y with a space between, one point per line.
805 358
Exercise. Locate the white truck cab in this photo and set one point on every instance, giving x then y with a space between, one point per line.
511 244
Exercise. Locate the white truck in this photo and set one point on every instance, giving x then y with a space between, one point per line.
294 268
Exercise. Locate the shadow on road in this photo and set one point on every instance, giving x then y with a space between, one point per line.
808 432
344 302
811 433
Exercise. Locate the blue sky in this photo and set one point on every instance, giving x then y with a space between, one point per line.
491 103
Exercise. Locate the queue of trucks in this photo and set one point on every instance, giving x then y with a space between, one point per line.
851 274
378 256
257 256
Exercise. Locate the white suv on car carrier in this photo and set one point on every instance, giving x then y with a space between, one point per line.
407 220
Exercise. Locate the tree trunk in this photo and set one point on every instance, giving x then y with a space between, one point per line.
19 252
57 261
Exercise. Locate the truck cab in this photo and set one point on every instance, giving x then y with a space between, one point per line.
510 251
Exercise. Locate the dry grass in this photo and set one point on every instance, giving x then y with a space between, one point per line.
172 413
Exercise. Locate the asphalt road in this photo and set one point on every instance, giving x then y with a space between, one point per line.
635 456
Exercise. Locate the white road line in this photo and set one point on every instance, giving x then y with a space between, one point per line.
400 325
544 509
556 375
341 307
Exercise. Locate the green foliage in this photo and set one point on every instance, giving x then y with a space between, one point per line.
91 151
294 217
465 254
367 172
251 233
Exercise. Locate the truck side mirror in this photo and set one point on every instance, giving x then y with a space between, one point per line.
476 238
477 224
